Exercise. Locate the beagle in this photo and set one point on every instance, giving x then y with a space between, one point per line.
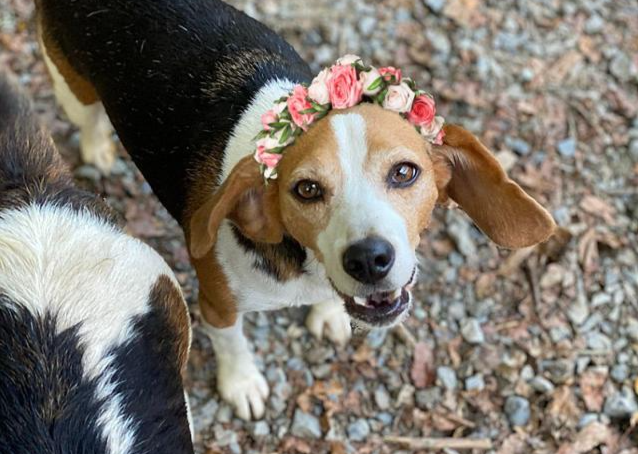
184 84
94 331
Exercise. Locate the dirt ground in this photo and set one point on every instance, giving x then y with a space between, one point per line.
535 350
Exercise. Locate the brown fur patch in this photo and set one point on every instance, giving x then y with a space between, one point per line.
166 294
79 86
216 300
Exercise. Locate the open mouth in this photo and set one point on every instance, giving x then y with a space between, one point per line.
382 308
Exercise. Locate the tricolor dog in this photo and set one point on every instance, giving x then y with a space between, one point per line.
94 331
189 84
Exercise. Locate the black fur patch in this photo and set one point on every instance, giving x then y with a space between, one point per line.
46 407
31 170
273 259
174 77
150 382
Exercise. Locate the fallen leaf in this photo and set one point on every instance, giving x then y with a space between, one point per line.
461 11
514 444
423 370
599 208
588 251
563 406
590 437
591 384
296 445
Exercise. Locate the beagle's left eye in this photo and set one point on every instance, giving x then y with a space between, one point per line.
308 191
403 175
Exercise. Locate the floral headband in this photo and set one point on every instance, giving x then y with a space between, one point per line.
345 84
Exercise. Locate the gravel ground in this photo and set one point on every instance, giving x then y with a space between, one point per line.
536 350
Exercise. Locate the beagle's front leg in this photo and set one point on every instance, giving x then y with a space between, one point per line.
329 319
239 382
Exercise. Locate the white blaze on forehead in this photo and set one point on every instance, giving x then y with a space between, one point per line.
361 209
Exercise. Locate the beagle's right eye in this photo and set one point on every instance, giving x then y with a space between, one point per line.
308 191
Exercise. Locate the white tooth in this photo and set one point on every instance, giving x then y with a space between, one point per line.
396 294
360 301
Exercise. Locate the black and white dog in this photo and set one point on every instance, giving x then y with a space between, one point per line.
94 331
185 83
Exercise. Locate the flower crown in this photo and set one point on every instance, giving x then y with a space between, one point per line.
343 85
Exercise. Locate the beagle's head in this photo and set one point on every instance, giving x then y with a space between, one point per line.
358 189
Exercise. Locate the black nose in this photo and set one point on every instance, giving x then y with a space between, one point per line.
369 260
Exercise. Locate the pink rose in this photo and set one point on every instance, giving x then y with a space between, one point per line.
297 103
348 60
266 158
423 111
399 98
343 87
318 90
367 78
391 74
267 118
434 131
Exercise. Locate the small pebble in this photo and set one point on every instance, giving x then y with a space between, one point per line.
472 332
594 24
587 419
358 430
475 383
447 377
622 67
567 148
260 429
435 5
621 404
541 385
598 341
382 398
305 425
619 372
517 410
518 146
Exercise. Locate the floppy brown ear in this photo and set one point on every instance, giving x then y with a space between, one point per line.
469 174
246 201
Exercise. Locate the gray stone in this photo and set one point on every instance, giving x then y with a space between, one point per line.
382 398
567 148
632 328
435 5
224 414
472 332
475 383
447 377
578 312
622 67
260 429
598 341
619 372
594 24
427 399
376 338
633 149
621 404
541 384
204 416
587 419
305 425
385 418
517 410
224 437
88 172
518 146
358 430
439 41
367 25
459 230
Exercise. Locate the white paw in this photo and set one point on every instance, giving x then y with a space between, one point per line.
240 383
330 320
99 152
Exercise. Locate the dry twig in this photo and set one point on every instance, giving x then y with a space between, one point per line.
440 443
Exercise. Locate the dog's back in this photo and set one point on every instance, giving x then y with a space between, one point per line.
94 332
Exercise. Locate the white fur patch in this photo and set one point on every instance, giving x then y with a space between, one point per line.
87 272
361 210
241 142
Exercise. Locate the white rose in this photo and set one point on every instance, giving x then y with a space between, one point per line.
432 130
318 90
399 98
348 59
368 78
